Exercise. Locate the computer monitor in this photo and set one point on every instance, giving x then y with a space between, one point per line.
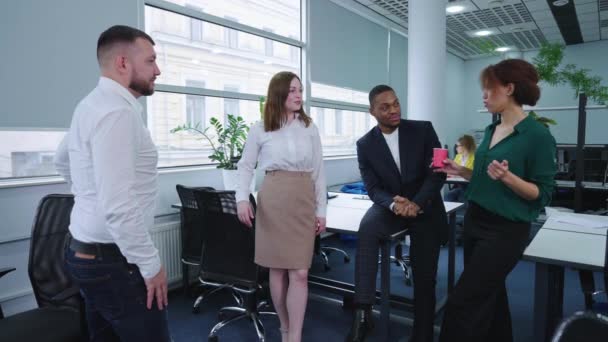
596 160
595 164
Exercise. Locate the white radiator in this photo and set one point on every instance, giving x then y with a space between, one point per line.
166 237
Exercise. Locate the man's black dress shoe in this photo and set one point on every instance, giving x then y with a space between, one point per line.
362 325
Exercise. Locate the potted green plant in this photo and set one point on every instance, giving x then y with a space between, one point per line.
547 63
227 144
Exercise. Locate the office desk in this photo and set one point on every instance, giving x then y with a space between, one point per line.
586 185
344 213
558 245
456 180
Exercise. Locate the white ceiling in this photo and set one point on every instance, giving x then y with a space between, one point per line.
519 24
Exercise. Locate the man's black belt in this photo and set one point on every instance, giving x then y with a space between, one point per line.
97 249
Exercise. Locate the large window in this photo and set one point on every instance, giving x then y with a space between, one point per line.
282 15
216 58
342 116
28 153
181 149
340 129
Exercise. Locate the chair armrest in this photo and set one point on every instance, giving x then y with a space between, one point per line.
6 270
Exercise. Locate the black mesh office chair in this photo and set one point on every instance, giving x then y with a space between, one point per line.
325 251
60 313
227 259
582 327
401 259
192 235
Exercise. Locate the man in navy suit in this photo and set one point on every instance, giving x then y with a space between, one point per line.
394 160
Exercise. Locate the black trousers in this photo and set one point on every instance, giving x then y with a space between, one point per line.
377 224
478 308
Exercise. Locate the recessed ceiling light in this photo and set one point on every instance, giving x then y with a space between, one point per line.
560 3
495 3
483 33
454 9
502 49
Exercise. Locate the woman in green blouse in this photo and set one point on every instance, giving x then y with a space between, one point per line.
512 180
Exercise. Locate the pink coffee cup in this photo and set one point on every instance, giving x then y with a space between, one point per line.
439 155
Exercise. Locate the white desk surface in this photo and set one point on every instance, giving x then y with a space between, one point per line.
346 211
456 179
553 222
586 185
567 247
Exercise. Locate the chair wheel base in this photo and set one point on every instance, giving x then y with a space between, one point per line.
196 309
346 259
213 339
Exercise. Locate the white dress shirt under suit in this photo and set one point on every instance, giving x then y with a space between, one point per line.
392 140
293 147
110 161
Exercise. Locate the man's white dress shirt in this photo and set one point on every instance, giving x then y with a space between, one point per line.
293 147
392 140
110 161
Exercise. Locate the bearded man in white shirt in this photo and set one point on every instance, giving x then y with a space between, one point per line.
109 160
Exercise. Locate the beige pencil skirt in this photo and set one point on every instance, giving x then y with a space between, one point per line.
285 220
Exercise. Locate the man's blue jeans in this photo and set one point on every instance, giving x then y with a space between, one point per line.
115 298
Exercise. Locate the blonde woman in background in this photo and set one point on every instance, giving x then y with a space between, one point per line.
465 156
292 200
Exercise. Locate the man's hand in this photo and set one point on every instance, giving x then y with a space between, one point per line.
412 210
157 288
404 207
320 225
400 205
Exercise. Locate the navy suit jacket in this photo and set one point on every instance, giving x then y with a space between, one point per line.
416 181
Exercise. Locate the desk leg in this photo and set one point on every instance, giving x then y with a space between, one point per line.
452 252
385 285
548 300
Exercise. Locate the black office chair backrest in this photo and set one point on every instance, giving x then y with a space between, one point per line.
192 225
582 327
228 250
51 283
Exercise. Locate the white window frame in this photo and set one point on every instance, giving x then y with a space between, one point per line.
234 25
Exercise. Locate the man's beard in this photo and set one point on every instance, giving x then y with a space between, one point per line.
142 87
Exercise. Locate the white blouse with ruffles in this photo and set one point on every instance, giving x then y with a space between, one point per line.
293 147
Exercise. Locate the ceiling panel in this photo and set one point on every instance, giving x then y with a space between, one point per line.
519 24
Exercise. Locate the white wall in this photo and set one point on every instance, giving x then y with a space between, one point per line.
48 56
